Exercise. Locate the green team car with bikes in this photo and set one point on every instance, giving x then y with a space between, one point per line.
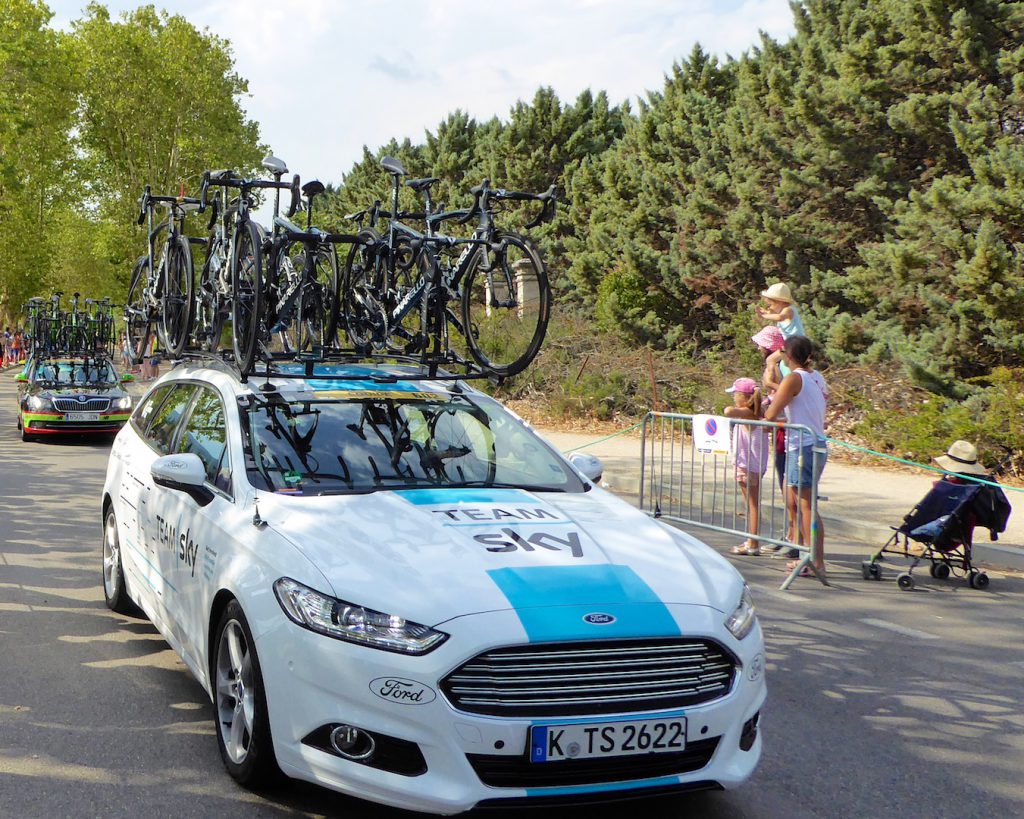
70 385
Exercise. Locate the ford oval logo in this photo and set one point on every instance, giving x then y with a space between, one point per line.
599 618
399 689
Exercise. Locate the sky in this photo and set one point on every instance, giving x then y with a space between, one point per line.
327 77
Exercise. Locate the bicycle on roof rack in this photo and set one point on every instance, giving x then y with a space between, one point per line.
160 291
236 249
300 307
86 331
499 279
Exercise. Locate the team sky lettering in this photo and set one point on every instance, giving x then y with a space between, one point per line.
465 513
179 542
508 540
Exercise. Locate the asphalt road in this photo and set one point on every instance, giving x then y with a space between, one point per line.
882 703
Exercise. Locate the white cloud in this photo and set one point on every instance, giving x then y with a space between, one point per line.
328 76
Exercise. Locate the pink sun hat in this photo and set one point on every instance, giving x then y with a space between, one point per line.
770 338
746 386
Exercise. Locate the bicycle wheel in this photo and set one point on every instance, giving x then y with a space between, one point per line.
209 320
137 320
410 329
307 325
176 304
506 304
246 295
362 310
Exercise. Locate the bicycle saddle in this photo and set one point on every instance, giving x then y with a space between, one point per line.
421 184
275 165
392 166
313 188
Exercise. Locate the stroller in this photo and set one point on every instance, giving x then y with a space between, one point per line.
943 525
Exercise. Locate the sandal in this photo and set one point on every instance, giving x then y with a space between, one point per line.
746 549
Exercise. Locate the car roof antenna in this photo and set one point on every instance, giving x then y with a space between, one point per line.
257 521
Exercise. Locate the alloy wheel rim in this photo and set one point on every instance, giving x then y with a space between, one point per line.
111 557
236 704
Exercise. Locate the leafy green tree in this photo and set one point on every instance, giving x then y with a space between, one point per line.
37 106
159 104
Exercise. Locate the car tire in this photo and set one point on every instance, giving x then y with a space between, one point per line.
115 590
24 433
240 704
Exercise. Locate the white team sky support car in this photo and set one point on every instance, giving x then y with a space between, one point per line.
392 587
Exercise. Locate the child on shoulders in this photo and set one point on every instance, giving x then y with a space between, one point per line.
782 310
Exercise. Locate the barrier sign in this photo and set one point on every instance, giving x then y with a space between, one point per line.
711 434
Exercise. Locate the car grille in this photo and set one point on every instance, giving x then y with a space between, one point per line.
593 677
88 405
519 772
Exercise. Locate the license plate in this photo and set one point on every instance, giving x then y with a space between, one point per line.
81 416
551 743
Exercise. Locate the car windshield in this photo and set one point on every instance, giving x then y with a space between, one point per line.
394 440
76 373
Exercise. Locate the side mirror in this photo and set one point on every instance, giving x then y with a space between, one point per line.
183 472
126 377
23 377
589 466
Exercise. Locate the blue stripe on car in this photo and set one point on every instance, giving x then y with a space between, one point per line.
431 497
551 602
605 786
345 373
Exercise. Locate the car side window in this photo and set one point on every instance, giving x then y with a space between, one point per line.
144 412
204 435
161 431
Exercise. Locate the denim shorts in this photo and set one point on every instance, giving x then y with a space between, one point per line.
801 470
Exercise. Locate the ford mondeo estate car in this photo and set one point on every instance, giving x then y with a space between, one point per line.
391 586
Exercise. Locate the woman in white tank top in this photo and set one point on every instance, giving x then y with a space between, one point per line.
802 396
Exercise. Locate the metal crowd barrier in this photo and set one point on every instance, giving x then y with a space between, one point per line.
692 479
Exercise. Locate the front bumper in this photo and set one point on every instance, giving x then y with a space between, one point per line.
314 682
42 423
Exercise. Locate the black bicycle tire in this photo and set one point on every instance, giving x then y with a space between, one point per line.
245 331
137 342
470 328
353 312
332 289
209 319
174 331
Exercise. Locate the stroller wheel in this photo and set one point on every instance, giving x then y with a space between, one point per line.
978 580
905 581
870 570
940 571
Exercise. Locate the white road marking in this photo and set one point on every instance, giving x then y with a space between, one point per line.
906 632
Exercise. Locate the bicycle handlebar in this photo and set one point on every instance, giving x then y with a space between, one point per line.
484 193
143 205
296 195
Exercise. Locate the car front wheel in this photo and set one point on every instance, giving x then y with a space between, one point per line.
115 592
243 727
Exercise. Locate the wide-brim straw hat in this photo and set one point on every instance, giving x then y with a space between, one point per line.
961 457
779 292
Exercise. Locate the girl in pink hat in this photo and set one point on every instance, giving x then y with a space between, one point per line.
750 447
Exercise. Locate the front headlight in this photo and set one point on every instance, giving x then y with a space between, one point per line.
123 403
742 620
36 403
356 624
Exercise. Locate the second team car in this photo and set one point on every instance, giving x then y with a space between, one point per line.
71 395
391 586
